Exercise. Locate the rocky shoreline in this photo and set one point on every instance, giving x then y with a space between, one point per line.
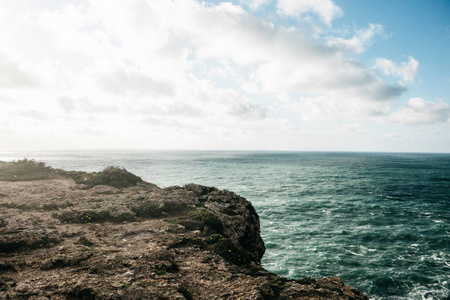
110 235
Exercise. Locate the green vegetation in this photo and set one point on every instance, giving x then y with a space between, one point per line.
112 176
29 169
208 219
147 210
25 170
127 285
278 285
213 238
94 217
216 242
160 272
166 266
188 241
225 248
150 209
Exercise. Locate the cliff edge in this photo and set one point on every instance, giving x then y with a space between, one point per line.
110 235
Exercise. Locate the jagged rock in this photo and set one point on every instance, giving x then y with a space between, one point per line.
26 234
60 240
238 217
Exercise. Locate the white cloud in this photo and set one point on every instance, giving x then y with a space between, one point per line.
67 103
359 42
188 73
152 34
339 107
325 9
34 114
393 135
15 73
76 29
122 79
54 75
316 109
255 4
322 72
420 111
406 71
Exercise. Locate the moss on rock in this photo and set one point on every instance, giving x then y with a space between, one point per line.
147 209
92 216
224 247
210 222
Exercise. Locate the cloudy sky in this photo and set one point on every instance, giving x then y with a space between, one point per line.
342 75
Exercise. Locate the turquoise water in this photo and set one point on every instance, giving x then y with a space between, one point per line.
379 221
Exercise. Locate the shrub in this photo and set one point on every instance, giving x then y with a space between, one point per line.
213 238
26 169
112 176
147 209
29 169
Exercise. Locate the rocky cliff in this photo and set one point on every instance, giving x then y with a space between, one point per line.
109 235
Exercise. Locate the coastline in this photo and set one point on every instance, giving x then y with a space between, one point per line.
63 239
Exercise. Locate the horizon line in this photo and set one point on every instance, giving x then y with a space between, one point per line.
221 150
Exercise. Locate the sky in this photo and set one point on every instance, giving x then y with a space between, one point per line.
296 75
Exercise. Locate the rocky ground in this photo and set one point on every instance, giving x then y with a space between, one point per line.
70 235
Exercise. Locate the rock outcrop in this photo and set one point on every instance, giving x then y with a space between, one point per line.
65 240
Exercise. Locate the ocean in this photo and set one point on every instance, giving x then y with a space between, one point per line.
380 221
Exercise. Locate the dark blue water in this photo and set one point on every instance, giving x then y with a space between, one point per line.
379 221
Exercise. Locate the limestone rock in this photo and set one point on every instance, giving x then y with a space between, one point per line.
62 240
